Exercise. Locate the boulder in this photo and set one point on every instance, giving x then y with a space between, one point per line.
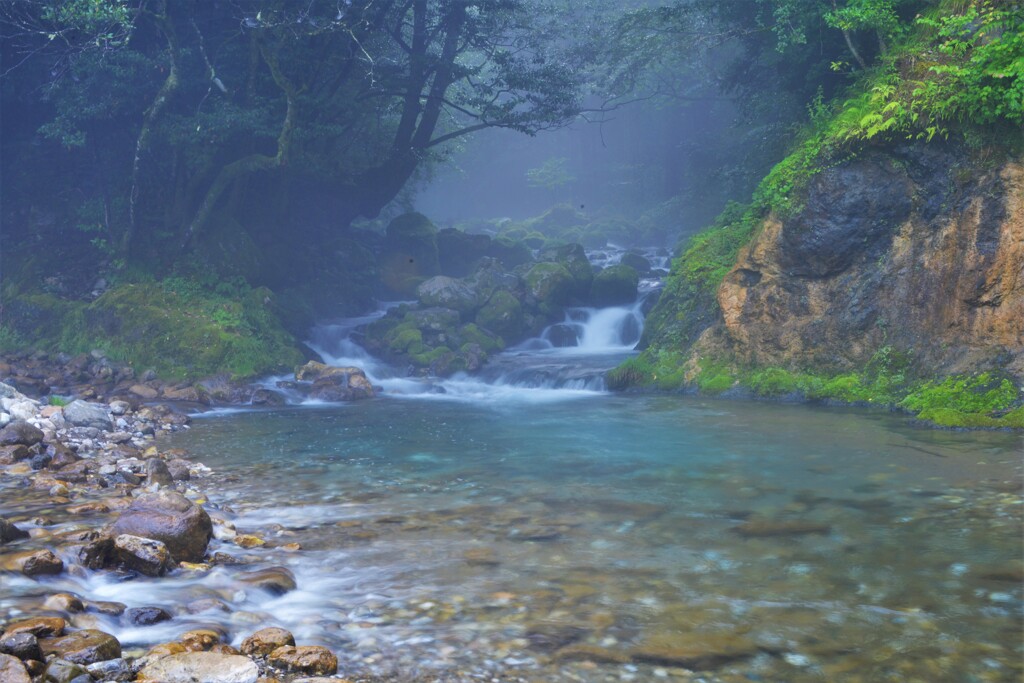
33 563
169 517
276 580
40 627
503 315
410 253
80 413
21 433
574 259
447 292
637 262
111 670
551 284
12 454
12 671
457 251
144 555
208 667
21 645
146 616
313 660
9 532
63 671
83 647
335 383
266 640
614 286
157 472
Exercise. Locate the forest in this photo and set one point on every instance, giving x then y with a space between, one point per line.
514 340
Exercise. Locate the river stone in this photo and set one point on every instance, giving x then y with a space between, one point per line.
146 616
34 563
448 292
12 670
181 470
201 667
63 671
111 670
307 659
12 454
80 413
266 640
157 472
694 650
23 410
21 645
83 647
276 580
40 627
144 555
9 532
169 517
64 602
20 432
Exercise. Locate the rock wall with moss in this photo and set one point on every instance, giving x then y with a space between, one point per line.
883 260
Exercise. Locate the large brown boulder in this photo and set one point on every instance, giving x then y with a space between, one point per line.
21 433
170 518
83 647
335 383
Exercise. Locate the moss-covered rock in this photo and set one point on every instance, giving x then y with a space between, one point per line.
511 253
614 286
503 315
551 285
410 254
447 292
458 251
637 262
575 260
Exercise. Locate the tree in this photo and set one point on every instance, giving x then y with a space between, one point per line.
188 108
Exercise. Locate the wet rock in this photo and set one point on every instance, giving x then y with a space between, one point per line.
80 413
111 670
481 557
765 528
248 541
40 627
64 602
266 640
637 262
15 453
21 645
83 647
146 616
144 555
208 667
9 532
114 609
119 408
614 286
200 640
307 659
275 580
144 392
550 636
224 649
335 383
448 292
21 433
97 554
157 472
180 469
697 651
33 563
266 397
582 652
12 670
169 517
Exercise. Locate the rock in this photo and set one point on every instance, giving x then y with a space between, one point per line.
12 454
9 532
83 647
481 557
249 541
308 659
276 580
457 251
146 616
84 414
637 262
335 383
12 670
40 627
169 517
204 667
144 392
111 670
119 408
447 292
763 528
181 470
63 671
550 635
23 410
114 609
698 650
410 253
34 563
22 645
267 397
97 554
21 433
266 640
551 284
157 472
200 640
563 335
614 286
64 602
144 555
503 315
574 259
582 652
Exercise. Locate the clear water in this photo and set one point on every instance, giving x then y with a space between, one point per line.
457 538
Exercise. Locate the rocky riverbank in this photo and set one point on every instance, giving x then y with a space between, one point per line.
85 489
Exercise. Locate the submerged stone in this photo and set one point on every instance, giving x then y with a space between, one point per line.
208 667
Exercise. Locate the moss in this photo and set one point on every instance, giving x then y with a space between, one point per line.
471 334
425 358
404 337
775 382
551 284
633 372
714 377
982 393
614 286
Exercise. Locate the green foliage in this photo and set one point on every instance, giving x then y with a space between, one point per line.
714 377
711 254
551 175
11 340
59 401
983 393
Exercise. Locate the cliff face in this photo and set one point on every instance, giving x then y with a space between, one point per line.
919 247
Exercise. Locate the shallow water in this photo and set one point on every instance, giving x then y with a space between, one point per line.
456 538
